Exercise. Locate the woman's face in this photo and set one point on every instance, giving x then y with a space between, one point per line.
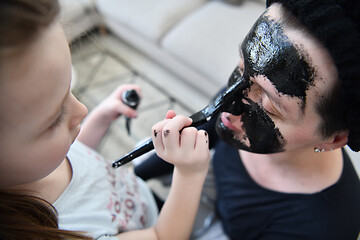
40 117
288 73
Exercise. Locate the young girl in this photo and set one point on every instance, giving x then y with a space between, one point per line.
40 122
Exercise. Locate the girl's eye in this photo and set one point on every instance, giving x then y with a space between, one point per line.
59 119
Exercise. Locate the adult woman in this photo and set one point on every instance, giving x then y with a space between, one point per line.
282 173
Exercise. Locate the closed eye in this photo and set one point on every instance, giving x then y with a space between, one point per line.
59 119
269 106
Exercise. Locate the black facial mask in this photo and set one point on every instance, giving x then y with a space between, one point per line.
236 107
268 52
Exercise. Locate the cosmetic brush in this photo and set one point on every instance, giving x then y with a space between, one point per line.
218 103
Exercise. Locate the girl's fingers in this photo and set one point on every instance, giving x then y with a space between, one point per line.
126 87
202 140
157 135
157 130
171 131
121 108
170 114
188 138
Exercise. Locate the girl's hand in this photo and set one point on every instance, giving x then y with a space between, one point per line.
188 150
112 107
100 118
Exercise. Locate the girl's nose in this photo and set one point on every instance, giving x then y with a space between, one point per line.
79 111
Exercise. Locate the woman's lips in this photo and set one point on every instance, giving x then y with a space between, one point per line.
227 122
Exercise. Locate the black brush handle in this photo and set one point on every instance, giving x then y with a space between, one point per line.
137 152
198 119
221 101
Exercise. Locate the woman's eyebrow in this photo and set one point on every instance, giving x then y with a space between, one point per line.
274 95
277 99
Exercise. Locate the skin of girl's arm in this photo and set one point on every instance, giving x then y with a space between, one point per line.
97 123
191 164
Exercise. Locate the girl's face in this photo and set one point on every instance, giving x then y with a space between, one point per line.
40 116
288 73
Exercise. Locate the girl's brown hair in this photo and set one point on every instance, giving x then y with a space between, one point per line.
27 217
21 21
23 216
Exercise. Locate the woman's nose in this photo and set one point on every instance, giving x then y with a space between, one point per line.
235 108
236 93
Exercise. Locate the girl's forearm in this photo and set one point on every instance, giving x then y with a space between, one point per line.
179 211
93 129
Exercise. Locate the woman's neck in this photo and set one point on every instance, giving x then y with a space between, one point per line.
301 172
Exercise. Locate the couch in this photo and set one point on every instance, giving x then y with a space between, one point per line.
78 17
197 40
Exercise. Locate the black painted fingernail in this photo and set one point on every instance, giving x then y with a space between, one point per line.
166 132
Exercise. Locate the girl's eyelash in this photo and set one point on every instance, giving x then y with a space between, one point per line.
59 119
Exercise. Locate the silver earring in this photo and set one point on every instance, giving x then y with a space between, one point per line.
317 150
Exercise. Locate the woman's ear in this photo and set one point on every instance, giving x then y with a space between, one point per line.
339 140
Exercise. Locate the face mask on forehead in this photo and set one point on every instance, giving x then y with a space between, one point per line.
267 51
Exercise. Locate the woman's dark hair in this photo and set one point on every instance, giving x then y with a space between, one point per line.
23 216
330 107
336 25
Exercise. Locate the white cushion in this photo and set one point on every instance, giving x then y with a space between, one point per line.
151 19
73 9
207 39
70 10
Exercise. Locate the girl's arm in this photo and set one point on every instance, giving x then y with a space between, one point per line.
99 120
189 152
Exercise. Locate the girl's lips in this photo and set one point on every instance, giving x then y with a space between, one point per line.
76 131
227 122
